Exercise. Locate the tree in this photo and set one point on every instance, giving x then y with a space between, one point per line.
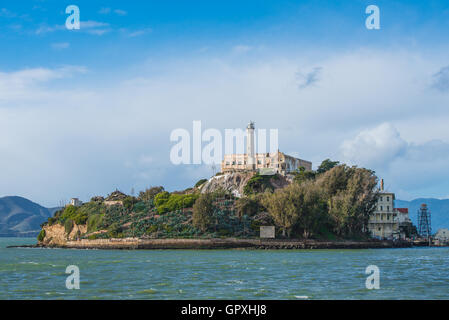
203 212
281 207
150 193
247 206
161 198
257 183
200 183
326 165
311 207
351 197
302 175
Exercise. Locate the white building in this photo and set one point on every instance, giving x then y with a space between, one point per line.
388 222
75 202
277 162
442 236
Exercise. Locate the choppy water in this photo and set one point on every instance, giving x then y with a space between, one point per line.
416 273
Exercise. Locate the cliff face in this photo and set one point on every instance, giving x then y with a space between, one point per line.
56 235
236 181
232 182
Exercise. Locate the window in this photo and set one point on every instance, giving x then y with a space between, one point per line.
259 162
381 199
240 162
227 163
388 208
381 208
388 199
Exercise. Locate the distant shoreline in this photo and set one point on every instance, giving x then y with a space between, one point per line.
218 243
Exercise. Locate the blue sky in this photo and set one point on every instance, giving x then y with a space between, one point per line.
86 111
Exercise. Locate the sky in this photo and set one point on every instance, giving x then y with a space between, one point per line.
84 112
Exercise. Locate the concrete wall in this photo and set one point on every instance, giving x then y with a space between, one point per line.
267 232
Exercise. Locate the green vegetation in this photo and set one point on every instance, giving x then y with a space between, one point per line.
68 226
326 165
257 184
338 201
333 202
203 211
94 221
167 202
41 235
149 194
200 183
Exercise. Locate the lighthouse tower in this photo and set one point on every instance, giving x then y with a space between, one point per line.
251 162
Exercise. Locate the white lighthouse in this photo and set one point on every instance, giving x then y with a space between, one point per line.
251 164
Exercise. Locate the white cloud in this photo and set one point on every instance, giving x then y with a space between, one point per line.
63 138
411 169
60 45
308 78
107 10
374 147
441 79
120 12
5 13
43 29
25 85
90 26
104 11
240 49
136 33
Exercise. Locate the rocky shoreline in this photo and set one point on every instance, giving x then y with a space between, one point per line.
229 243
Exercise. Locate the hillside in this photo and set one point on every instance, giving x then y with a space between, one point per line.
438 208
20 217
309 205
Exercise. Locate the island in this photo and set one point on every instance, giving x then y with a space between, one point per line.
326 208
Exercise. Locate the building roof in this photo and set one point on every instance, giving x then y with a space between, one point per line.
402 210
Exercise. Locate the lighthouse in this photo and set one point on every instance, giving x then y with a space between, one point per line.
251 164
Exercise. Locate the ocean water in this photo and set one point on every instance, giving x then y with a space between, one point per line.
411 273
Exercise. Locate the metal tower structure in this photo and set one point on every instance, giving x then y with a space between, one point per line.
424 222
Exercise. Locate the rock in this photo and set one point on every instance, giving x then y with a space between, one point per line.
234 182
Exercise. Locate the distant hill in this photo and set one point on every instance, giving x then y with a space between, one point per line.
438 208
20 217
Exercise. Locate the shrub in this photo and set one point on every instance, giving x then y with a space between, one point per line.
93 222
203 212
200 182
79 215
161 198
257 184
115 230
41 236
68 226
175 202
149 194
129 202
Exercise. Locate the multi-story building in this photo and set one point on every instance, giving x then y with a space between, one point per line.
277 161
386 221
